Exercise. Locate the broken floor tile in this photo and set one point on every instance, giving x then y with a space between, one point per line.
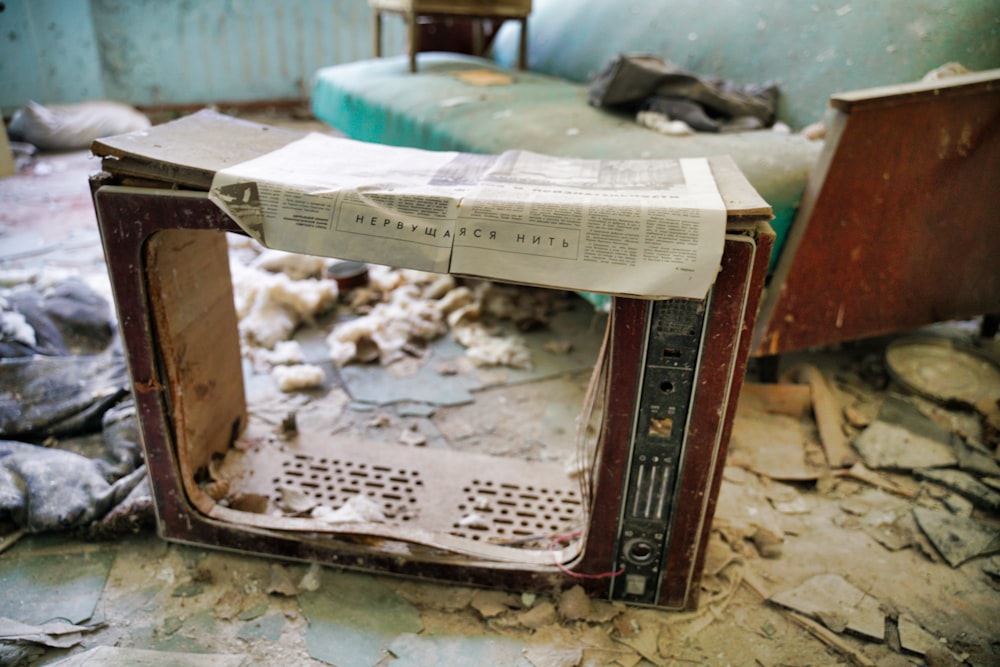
40 588
268 628
113 656
914 638
958 505
903 439
256 611
894 447
992 567
958 539
353 618
189 634
965 484
171 624
840 606
975 459
377 385
772 445
893 530
414 409
188 589
416 651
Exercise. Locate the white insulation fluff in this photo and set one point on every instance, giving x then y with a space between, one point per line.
293 265
417 307
270 306
286 352
299 376
395 328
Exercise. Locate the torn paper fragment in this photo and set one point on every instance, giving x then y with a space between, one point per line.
294 500
473 521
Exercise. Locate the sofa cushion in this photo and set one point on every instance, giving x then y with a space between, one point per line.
812 50
381 101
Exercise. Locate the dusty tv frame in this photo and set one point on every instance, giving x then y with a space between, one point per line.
673 372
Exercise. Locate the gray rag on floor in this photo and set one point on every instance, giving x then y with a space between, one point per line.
63 381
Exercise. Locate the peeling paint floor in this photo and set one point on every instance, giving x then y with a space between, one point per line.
183 602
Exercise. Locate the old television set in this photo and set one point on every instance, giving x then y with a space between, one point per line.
633 528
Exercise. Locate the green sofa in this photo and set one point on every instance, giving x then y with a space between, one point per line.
812 50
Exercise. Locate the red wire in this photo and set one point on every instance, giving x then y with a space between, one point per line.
565 537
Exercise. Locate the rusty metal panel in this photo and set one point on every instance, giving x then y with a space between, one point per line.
898 227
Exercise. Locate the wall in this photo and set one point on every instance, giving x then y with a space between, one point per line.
173 52
48 52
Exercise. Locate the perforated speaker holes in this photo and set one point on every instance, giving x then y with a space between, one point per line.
332 482
510 513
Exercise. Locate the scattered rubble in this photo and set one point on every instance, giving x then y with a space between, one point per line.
957 538
902 438
830 599
924 482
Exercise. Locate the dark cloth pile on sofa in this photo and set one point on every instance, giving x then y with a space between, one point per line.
648 83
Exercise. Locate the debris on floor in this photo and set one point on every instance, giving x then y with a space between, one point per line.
884 553
837 604
957 538
353 618
923 487
111 656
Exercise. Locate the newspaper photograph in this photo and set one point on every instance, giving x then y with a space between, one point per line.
646 228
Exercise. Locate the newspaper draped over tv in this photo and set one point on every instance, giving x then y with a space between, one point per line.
646 228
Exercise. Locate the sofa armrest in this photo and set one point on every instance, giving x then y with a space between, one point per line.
897 227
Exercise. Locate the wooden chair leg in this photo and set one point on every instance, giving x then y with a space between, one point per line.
377 33
990 325
412 39
768 368
522 55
